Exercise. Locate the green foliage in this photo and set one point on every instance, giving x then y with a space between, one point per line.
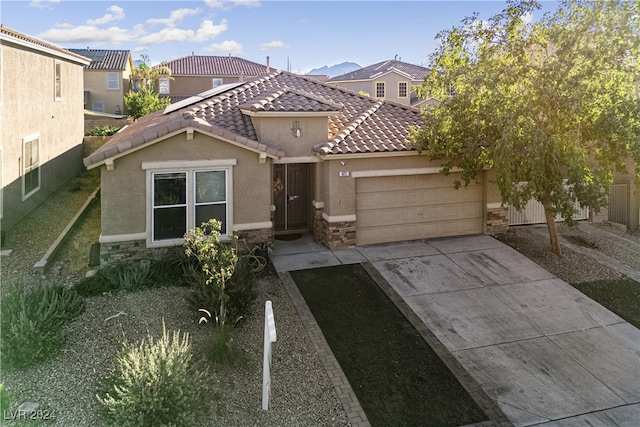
216 259
129 277
4 400
241 289
155 384
144 102
551 106
103 131
32 323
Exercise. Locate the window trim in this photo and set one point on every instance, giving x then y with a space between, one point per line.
162 83
384 90
57 80
213 82
406 93
24 171
190 168
110 80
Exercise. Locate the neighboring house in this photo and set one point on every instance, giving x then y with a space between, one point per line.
106 79
194 74
279 154
392 80
41 121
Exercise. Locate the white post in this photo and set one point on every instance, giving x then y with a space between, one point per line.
269 337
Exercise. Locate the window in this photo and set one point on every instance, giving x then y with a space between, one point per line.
216 82
58 80
403 89
31 168
163 86
113 81
380 90
185 199
97 106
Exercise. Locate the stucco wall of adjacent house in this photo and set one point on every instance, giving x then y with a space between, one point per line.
193 85
29 108
124 190
278 133
391 81
95 81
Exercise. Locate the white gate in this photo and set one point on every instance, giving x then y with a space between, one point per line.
533 213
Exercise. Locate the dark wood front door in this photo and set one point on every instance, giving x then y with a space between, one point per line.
291 196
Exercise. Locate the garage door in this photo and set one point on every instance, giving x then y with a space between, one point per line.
395 208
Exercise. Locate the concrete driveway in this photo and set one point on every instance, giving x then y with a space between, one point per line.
541 350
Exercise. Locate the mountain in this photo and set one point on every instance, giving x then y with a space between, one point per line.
336 70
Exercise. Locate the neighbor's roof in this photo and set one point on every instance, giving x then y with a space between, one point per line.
415 72
9 35
104 59
198 65
356 123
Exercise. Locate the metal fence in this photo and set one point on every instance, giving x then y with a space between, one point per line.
619 204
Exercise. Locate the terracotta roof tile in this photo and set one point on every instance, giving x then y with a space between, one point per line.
198 65
360 124
103 59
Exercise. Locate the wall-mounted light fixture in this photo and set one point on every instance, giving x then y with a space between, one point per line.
295 129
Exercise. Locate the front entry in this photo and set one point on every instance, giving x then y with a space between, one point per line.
291 197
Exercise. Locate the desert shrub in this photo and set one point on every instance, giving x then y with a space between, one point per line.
4 400
155 383
32 323
241 291
167 272
103 131
133 276
104 280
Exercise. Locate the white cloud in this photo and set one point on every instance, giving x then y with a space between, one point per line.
206 31
67 34
247 3
114 13
226 47
214 4
527 18
43 4
175 17
275 44
226 4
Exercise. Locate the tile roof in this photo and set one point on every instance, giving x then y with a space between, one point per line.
104 59
415 72
8 34
361 124
198 65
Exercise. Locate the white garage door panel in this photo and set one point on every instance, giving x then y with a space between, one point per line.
414 207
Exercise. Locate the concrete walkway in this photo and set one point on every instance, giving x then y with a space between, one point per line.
543 352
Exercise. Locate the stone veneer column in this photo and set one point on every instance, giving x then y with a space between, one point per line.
317 225
133 251
497 218
339 235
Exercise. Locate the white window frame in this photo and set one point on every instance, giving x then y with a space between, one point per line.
95 106
384 89
113 81
406 93
216 81
57 80
164 87
32 166
190 168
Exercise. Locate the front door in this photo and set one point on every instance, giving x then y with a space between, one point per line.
291 197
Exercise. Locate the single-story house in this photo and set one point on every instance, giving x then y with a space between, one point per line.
281 153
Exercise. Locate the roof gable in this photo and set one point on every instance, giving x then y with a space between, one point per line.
412 71
104 59
13 36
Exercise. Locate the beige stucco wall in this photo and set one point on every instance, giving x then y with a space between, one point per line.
28 107
277 132
124 190
390 79
95 81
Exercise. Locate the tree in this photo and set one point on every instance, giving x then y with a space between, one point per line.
144 102
552 107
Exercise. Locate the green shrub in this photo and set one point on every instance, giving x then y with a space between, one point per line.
103 131
155 384
104 280
241 291
32 323
133 276
4 400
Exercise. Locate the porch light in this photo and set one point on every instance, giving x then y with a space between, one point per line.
296 129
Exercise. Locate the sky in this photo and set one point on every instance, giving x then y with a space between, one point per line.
296 35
